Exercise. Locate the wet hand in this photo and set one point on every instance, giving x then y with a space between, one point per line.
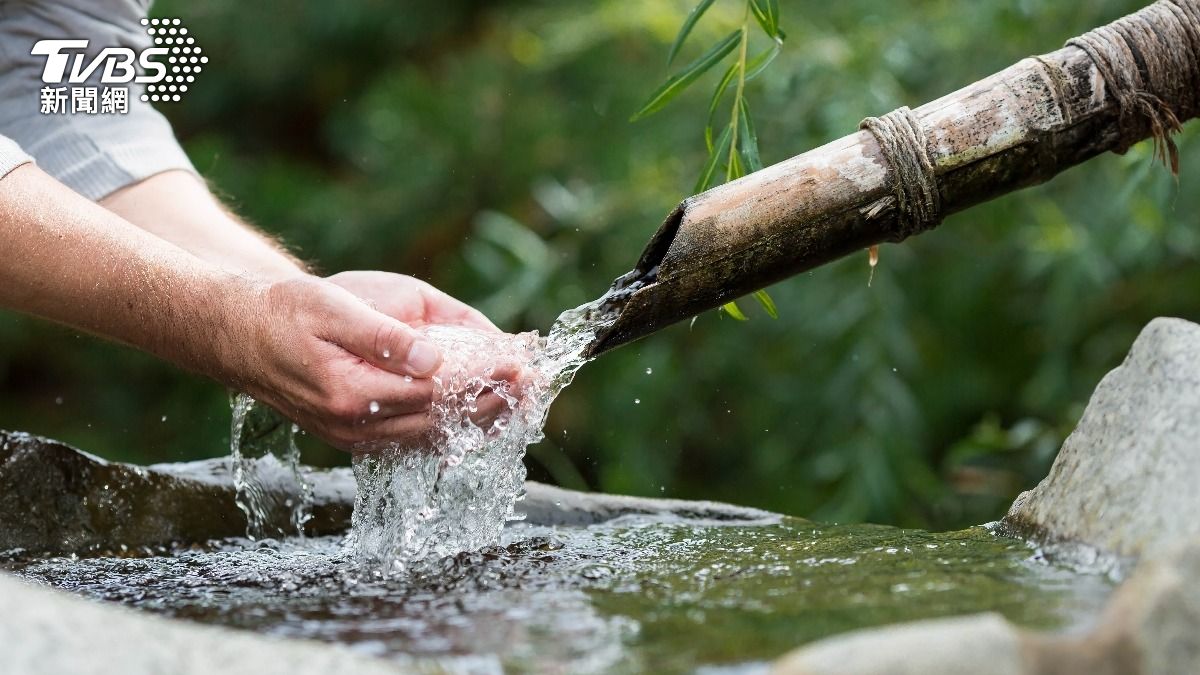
410 300
420 304
342 370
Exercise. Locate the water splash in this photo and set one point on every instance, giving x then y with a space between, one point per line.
263 450
419 504
455 493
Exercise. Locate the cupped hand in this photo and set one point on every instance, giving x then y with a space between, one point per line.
340 369
353 374
410 300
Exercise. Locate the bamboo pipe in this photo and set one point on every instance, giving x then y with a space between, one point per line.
1017 128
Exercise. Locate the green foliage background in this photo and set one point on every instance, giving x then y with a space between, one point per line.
485 146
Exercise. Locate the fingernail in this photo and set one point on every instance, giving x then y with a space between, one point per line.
423 357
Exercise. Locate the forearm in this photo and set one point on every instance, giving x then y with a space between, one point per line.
70 261
306 346
178 207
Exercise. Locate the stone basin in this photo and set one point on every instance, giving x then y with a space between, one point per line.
598 583
585 583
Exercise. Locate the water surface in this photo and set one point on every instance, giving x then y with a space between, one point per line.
637 594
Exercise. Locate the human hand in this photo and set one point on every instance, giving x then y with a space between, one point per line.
345 371
410 300
419 305
340 369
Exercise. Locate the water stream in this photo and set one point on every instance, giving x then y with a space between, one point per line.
439 574
455 492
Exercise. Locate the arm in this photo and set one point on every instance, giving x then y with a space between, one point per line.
303 345
134 166
177 206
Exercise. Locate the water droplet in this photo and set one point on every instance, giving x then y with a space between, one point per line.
387 353
374 407
164 418
636 401
649 371
408 378
58 400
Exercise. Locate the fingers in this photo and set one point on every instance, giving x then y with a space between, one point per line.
380 395
441 307
381 340
410 300
357 377
488 407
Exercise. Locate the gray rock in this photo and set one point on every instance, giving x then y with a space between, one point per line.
48 631
1123 488
1127 480
549 505
984 644
56 499
1152 624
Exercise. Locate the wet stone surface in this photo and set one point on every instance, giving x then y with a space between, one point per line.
638 593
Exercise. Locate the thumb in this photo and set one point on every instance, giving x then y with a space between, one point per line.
384 342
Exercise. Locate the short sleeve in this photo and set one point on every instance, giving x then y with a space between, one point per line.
11 156
93 154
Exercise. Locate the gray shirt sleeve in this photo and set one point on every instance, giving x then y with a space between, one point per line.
11 156
94 154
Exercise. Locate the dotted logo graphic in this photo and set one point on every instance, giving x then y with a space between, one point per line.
185 59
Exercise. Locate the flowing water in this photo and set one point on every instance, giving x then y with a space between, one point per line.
452 494
635 593
259 433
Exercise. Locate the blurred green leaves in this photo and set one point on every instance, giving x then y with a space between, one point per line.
513 259
485 146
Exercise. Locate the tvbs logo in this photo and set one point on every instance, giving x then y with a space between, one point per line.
118 63
167 69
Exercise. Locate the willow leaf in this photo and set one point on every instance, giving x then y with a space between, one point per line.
760 62
714 158
690 73
762 13
734 170
767 302
731 308
722 86
689 23
749 138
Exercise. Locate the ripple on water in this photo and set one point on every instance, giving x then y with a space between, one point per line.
636 594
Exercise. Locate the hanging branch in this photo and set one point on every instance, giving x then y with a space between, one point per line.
737 144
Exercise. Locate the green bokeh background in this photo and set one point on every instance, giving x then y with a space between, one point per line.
485 147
